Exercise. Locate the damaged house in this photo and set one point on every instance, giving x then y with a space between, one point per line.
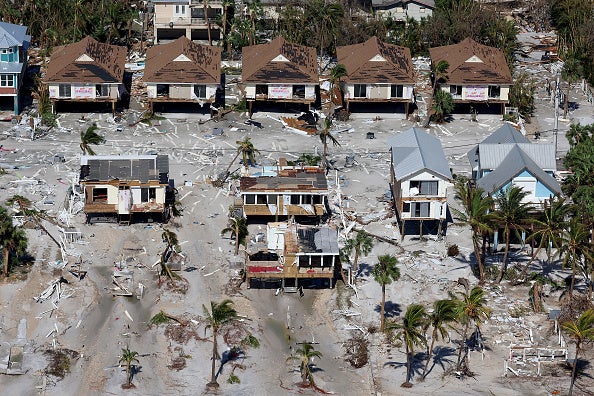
126 187
280 72
86 71
478 75
419 178
14 44
295 255
182 71
283 192
194 19
377 73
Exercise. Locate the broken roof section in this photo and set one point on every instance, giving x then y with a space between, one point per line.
279 62
286 180
473 63
376 62
293 239
143 168
414 151
183 61
12 35
87 61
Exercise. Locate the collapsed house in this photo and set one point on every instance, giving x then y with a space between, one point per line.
294 255
126 187
283 191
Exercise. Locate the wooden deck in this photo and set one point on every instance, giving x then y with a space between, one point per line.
291 210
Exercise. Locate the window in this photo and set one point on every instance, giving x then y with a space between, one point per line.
261 199
424 187
7 80
64 90
406 207
494 91
419 209
250 199
306 199
101 90
317 199
99 194
397 91
163 90
261 89
200 91
422 9
147 194
299 91
180 10
295 200
272 199
360 91
456 90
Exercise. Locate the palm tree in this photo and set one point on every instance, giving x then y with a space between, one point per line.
88 138
511 214
581 330
325 137
444 313
12 239
475 213
226 5
171 243
360 245
438 74
246 149
24 207
549 228
220 315
207 21
255 10
331 16
442 104
304 354
337 73
128 357
238 229
384 272
471 308
572 71
410 332
575 247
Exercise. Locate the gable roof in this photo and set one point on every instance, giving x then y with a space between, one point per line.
376 62
388 3
183 61
504 134
415 150
473 63
492 156
515 162
12 35
143 168
279 62
87 61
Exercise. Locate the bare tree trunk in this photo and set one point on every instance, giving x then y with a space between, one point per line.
383 308
213 379
236 236
504 264
430 353
566 100
574 370
6 254
481 268
462 345
355 263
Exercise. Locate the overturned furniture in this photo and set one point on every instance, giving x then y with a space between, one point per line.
295 255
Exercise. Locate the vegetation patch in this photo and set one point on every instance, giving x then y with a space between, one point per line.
59 361
357 351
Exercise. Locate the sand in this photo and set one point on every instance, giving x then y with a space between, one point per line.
95 324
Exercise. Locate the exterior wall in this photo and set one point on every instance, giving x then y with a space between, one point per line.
378 91
424 176
537 191
188 19
178 91
281 92
437 210
17 55
478 93
417 11
113 195
84 91
280 203
13 90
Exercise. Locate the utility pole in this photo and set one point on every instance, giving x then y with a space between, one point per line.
556 128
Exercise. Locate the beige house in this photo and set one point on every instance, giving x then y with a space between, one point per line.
280 72
86 71
377 72
176 18
122 187
477 74
182 71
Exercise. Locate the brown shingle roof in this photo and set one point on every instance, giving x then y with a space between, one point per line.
397 66
258 65
492 70
107 63
204 65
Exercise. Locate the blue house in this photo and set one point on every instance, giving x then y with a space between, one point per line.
507 158
14 43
